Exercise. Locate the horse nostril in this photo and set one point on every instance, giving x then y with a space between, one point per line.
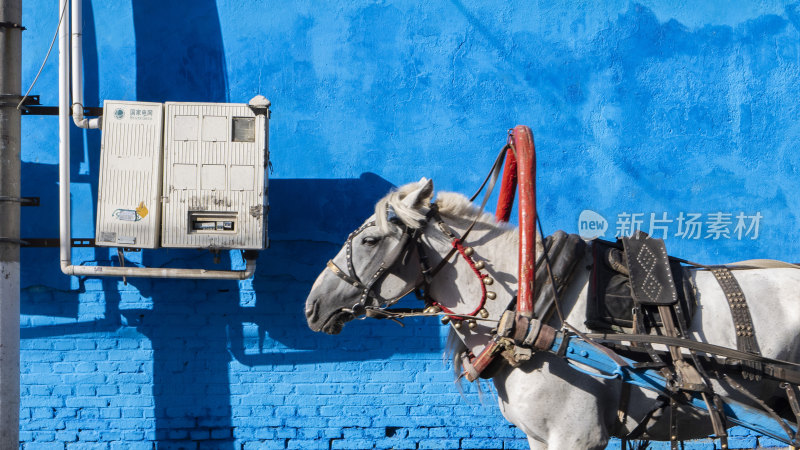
312 308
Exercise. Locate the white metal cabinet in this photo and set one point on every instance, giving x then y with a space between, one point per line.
215 179
129 190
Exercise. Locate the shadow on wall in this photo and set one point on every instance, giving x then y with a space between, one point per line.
180 57
197 328
179 51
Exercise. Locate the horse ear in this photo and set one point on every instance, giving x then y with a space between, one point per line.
421 196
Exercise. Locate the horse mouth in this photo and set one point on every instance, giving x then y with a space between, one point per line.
336 322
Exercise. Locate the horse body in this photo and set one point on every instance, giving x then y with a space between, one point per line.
556 406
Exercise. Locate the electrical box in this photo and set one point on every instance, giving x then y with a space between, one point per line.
129 191
215 178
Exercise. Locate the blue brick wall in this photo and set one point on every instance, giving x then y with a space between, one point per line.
637 108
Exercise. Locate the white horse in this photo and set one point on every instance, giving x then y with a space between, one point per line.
555 406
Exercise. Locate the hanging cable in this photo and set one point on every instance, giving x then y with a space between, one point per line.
60 18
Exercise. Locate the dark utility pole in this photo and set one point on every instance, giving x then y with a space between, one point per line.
10 73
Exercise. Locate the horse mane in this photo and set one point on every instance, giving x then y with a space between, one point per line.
453 350
450 204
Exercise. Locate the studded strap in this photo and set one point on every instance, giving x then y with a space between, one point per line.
742 321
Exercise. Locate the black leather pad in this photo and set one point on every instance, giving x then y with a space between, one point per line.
650 274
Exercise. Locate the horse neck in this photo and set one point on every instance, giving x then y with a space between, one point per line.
459 289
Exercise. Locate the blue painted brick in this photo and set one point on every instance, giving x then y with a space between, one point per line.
311 433
85 390
176 435
390 443
131 446
85 401
439 432
106 390
213 422
131 413
35 344
128 389
109 436
199 435
42 356
66 435
439 444
285 411
42 413
221 433
351 444
85 355
263 445
45 436
769 443
519 444
286 433
481 443
51 402
44 446
742 442
133 435
307 444
87 446
299 422
128 401
264 433
178 445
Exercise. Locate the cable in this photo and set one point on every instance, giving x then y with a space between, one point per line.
60 19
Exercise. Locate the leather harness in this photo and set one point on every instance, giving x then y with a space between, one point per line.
522 331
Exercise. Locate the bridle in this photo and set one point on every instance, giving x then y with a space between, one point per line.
399 252
370 301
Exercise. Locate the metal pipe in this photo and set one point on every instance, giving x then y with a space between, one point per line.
10 164
65 233
77 70
64 215
157 272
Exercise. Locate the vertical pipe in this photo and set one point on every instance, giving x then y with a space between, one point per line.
76 55
77 69
10 83
65 234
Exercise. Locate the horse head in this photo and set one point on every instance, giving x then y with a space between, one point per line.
375 267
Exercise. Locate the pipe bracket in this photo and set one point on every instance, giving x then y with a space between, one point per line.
12 25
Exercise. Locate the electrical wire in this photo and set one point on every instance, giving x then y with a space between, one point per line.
60 19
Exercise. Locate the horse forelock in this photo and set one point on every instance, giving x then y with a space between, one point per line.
411 217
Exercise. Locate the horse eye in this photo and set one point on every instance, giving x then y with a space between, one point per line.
370 240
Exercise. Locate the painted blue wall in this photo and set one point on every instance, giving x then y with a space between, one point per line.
670 109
